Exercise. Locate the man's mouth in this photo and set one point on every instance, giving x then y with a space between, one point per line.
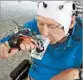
51 40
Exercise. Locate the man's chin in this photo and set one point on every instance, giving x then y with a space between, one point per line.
53 42
59 41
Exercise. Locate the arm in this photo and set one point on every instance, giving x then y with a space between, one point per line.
4 45
69 74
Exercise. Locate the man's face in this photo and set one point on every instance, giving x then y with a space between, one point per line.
50 28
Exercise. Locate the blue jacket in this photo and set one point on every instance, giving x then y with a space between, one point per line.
59 56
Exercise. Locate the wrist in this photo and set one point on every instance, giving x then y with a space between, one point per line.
76 74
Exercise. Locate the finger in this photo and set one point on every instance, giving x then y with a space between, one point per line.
22 46
26 46
1 49
6 48
31 45
5 52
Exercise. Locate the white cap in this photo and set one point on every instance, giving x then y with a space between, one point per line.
60 11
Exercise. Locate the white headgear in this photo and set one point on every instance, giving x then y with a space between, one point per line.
60 11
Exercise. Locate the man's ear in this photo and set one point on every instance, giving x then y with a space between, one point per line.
72 21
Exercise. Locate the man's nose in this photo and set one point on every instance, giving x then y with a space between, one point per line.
45 30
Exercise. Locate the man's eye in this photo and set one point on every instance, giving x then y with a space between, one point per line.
51 26
41 24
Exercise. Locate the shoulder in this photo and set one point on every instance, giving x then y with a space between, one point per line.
79 21
77 30
30 23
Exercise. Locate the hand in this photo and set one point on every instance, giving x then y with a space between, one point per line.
27 44
4 50
69 74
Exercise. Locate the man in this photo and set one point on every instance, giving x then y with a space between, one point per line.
55 20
